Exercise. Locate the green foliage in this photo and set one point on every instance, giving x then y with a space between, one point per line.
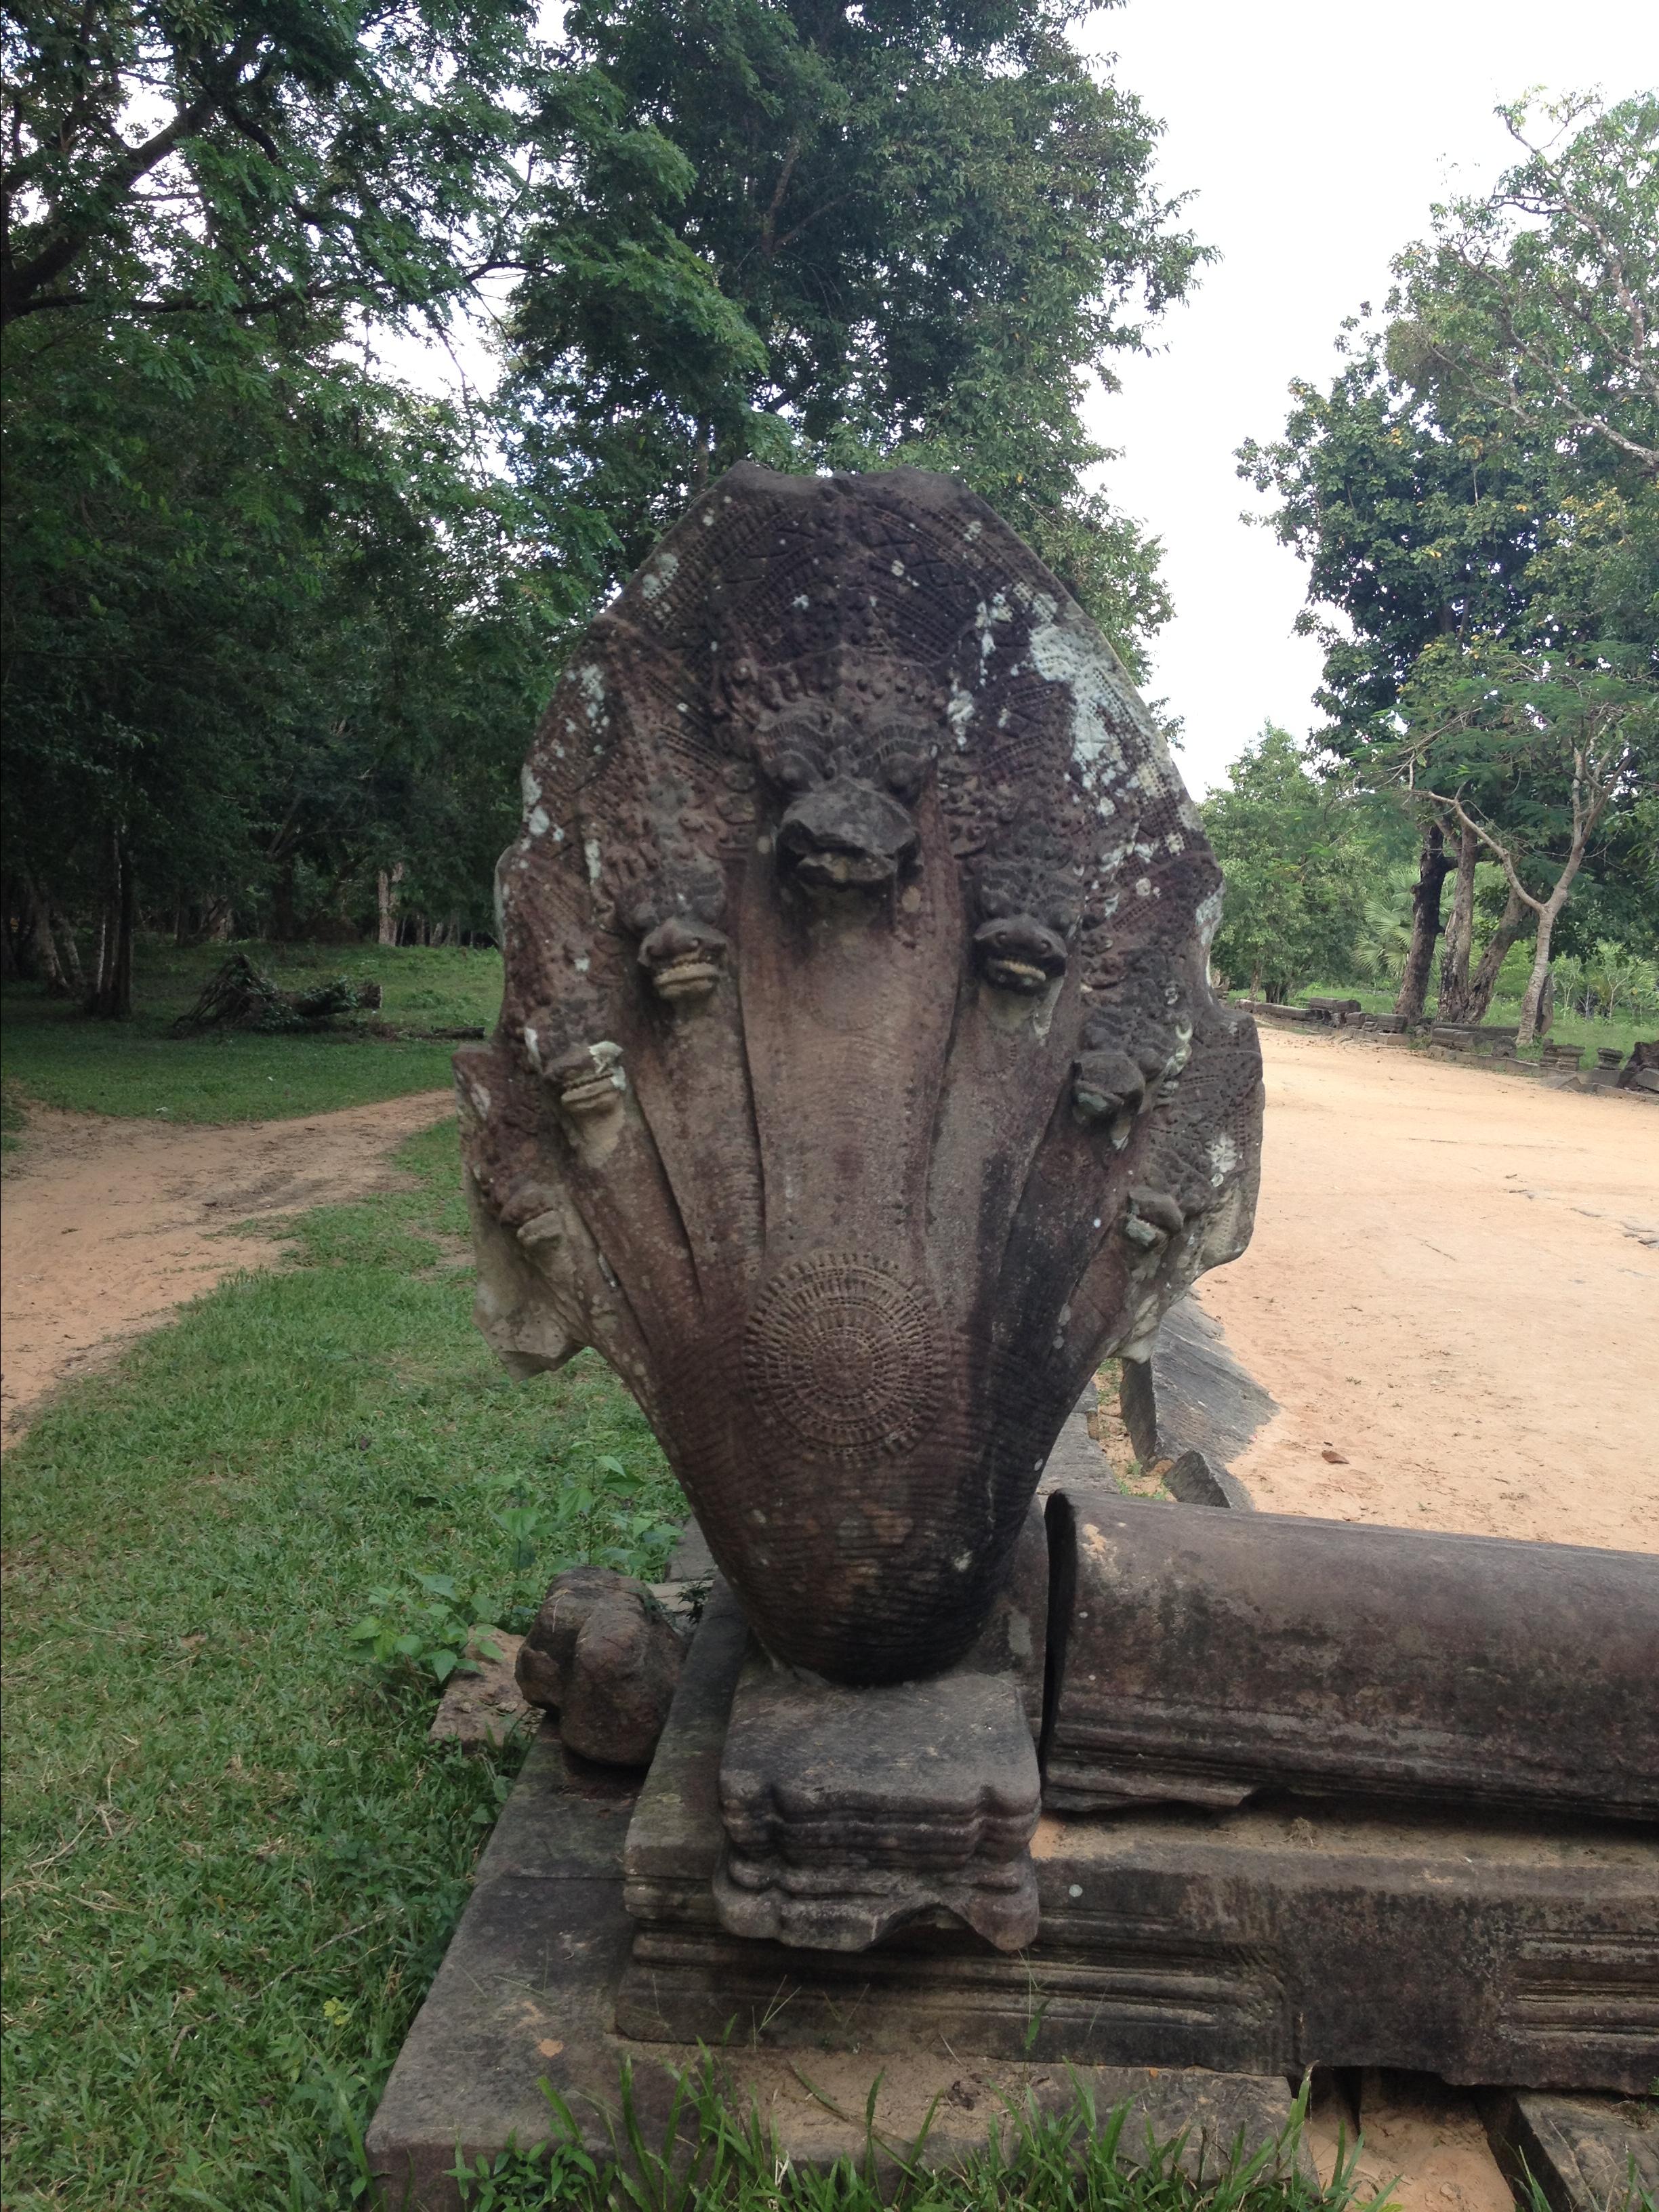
1609 979
263 620
890 233
252 161
140 1069
597 1513
1412 530
714 2157
232 1858
1551 740
1477 497
14 1115
420 1626
1536 301
276 629
1296 867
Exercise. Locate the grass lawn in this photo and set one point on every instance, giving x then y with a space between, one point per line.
232 1859
1622 1030
52 1051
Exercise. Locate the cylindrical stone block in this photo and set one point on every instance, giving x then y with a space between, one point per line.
1201 1656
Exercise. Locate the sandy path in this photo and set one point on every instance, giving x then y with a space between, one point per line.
1454 1283
106 1226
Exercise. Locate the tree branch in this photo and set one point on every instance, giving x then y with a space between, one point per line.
1445 799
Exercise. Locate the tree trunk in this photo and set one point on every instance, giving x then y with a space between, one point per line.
41 914
388 887
66 929
111 1000
284 921
128 931
1532 1000
1431 874
1454 1001
1547 1005
1511 924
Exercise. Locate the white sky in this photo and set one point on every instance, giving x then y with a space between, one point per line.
1315 135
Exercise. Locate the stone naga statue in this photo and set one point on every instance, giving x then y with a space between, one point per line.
858 1085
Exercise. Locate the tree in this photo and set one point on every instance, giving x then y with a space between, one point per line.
274 627
836 236
1294 868
265 624
1477 480
1573 738
254 162
242 574
1540 301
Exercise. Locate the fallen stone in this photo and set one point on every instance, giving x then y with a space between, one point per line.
1192 1396
1486 1949
481 1708
605 1657
1193 1481
1201 1658
1584 2153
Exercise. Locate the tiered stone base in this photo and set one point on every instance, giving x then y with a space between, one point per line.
528 1996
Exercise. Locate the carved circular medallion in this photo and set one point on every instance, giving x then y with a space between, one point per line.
840 1355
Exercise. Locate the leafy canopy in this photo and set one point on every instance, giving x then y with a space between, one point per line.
1296 868
250 160
1477 498
836 236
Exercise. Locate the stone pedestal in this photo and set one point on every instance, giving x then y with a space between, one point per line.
847 1812
526 2002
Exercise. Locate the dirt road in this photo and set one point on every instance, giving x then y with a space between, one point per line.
1453 1286
106 1225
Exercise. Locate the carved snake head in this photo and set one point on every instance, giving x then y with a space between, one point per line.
590 1079
1109 1088
1017 952
684 958
1029 911
850 779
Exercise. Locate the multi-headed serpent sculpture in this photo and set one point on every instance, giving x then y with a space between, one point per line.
858 1084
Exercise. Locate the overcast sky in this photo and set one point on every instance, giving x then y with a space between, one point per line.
1316 133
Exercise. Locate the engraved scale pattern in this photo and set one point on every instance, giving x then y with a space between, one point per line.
841 1355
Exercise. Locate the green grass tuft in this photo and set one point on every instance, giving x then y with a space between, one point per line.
232 1858
714 2158
13 1116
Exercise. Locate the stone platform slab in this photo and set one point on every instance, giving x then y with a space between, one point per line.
1256 1941
526 1996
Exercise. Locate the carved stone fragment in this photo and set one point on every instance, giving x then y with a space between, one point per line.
849 1813
858 1084
604 1657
